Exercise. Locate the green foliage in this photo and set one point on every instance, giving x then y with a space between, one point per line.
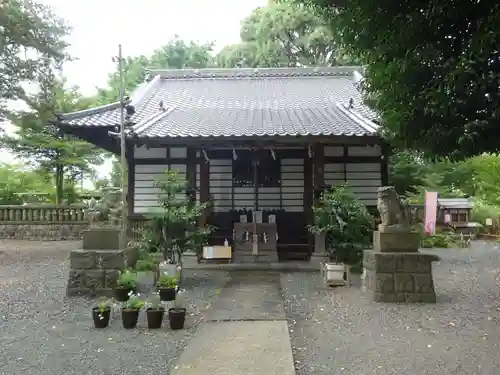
166 282
346 223
103 304
145 265
407 171
432 69
134 303
42 145
154 302
439 241
284 34
127 279
176 54
175 229
30 36
482 211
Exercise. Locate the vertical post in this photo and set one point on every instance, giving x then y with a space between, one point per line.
123 157
255 237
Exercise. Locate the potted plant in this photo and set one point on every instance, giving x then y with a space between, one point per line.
174 229
101 313
167 286
177 314
130 311
155 312
146 270
347 227
125 285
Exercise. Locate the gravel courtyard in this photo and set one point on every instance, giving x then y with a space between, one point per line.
332 331
341 332
44 333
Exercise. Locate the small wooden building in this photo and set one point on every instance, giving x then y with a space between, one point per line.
251 140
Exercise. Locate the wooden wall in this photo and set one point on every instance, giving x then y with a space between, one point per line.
363 177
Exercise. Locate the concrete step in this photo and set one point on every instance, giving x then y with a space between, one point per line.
248 257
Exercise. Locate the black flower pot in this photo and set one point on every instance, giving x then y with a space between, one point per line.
167 294
101 318
155 318
129 318
122 294
177 317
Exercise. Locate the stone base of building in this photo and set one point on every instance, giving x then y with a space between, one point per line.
94 272
399 276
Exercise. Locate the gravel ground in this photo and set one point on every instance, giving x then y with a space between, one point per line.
342 332
42 332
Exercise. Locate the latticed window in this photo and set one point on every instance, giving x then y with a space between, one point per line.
268 170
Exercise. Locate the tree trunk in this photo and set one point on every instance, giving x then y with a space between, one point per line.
59 184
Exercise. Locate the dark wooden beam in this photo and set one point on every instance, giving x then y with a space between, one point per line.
204 190
319 166
130 178
291 154
98 136
308 198
191 172
258 142
384 163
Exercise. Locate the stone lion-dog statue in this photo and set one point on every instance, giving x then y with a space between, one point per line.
394 213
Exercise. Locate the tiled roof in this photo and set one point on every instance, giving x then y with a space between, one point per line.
455 203
242 102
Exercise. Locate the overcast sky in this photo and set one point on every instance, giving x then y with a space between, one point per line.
99 26
141 27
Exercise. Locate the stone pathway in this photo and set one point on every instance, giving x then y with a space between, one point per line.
245 333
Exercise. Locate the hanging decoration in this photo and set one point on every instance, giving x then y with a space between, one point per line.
273 155
235 156
205 155
309 151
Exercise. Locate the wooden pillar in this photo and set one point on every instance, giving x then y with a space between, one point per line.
130 178
384 163
309 197
319 168
191 173
204 189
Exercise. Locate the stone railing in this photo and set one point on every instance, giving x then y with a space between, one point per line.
42 222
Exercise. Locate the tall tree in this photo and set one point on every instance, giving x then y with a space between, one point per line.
29 34
433 69
284 33
176 54
43 145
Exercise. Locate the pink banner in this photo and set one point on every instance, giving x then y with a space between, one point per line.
431 198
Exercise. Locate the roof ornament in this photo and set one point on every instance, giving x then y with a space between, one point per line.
351 103
207 160
273 155
309 151
162 108
235 156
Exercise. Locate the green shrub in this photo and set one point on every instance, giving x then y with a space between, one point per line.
143 265
166 282
127 279
346 223
439 240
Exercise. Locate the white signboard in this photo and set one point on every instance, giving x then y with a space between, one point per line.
447 218
208 252
489 222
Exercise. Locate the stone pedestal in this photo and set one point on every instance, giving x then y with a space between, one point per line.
395 271
94 270
389 242
399 277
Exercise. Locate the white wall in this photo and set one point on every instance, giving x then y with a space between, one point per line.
363 178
